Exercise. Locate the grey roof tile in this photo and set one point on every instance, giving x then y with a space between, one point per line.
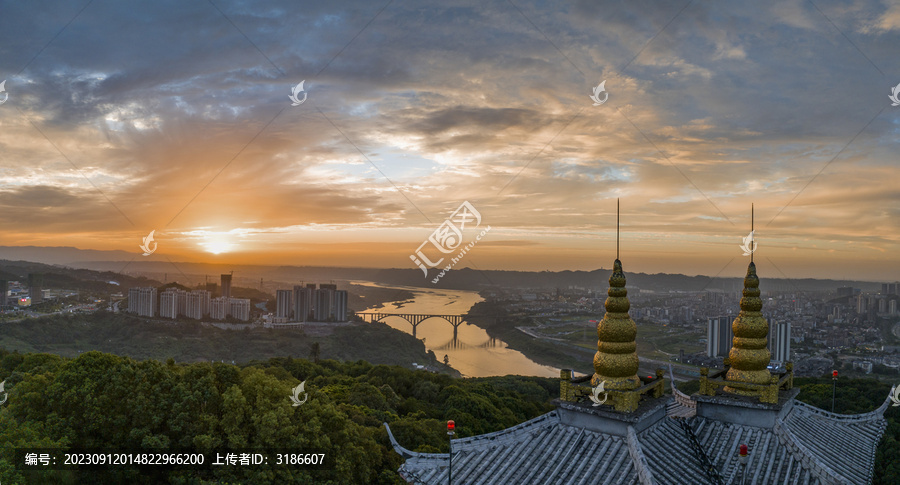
808 446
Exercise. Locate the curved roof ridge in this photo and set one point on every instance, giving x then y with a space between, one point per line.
543 420
645 475
405 453
870 416
887 401
552 417
675 390
806 457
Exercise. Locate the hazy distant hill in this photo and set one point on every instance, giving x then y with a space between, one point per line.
598 279
58 276
61 254
194 273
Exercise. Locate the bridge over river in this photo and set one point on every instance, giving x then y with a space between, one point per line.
415 319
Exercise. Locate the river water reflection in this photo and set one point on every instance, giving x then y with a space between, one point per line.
473 352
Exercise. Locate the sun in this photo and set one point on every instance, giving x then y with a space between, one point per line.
217 246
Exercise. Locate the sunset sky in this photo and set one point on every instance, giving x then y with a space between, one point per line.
129 117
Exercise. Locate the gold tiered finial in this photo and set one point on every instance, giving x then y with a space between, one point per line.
749 356
616 362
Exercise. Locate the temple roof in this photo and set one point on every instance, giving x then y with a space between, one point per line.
806 446
541 450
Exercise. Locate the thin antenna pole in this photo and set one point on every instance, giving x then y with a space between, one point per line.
617 228
751 230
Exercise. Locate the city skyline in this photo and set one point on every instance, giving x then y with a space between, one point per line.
184 127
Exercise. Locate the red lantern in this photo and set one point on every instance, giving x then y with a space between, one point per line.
451 425
743 450
834 374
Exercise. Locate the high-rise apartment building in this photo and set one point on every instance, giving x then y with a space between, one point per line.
311 304
324 304
226 285
240 308
719 336
198 304
780 341
303 303
221 307
4 293
283 304
173 302
340 305
168 306
142 301
35 287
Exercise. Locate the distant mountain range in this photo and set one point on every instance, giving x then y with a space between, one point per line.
123 262
63 255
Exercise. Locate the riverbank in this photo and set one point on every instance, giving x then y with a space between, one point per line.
433 316
189 341
362 297
520 334
557 354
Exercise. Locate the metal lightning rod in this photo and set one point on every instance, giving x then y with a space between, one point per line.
751 231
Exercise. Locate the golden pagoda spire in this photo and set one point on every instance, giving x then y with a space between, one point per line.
616 362
749 356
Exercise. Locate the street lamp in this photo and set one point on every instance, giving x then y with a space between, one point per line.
833 386
451 425
743 458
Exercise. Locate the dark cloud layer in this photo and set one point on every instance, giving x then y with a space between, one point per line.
178 114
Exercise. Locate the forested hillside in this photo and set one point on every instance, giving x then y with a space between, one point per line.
117 403
102 400
190 341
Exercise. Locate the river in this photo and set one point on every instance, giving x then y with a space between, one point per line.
473 352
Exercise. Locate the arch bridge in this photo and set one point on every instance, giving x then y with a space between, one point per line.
414 319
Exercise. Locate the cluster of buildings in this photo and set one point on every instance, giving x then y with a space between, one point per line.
310 304
813 328
33 293
871 305
174 302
